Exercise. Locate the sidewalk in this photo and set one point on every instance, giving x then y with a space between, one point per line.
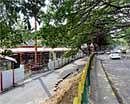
33 77
101 91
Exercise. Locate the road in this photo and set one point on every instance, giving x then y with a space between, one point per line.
39 88
119 73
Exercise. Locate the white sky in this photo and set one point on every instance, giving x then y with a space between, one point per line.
32 20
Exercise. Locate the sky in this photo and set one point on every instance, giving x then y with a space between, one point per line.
32 20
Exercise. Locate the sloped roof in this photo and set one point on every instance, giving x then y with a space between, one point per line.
8 58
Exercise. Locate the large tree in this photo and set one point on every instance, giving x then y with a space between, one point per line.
72 23
69 23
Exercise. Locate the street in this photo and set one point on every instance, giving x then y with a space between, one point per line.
38 89
119 73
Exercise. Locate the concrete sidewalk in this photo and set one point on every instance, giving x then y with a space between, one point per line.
101 91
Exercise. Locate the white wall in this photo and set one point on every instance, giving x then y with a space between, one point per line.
7 78
18 75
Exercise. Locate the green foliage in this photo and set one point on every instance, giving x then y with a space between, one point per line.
10 13
31 8
7 52
72 23
127 35
70 53
67 23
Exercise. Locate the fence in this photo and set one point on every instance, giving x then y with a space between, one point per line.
84 85
8 78
61 62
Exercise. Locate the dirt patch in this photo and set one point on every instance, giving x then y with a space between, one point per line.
66 91
70 94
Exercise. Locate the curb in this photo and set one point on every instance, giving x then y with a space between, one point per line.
31 79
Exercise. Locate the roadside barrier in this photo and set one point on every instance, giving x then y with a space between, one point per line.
9 78
84 84
55 64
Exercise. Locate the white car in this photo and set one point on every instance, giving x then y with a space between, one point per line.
116 51
115 55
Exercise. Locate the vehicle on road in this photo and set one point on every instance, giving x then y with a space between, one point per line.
100 52
115 55
116 51
108 52
123 51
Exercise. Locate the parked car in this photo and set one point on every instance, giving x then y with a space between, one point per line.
123 51
115 55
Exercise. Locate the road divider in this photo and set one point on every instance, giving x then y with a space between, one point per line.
84 84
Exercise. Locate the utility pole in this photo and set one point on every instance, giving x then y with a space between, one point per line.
35 38
35 42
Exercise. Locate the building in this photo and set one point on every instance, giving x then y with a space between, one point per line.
26 55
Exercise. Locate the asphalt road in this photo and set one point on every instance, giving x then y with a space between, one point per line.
37 90
119 74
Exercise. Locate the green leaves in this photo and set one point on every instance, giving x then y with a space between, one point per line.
7 52
66 23
86 21
13 28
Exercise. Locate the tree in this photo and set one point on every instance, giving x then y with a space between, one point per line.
14 12
126 35
8 17
72 23
69 23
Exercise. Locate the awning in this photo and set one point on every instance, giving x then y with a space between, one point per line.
9 58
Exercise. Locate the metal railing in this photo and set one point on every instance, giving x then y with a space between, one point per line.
84 84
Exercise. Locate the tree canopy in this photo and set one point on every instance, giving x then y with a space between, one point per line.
75 22
69 23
